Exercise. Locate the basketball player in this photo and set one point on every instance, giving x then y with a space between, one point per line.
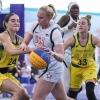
83 65
9 54
51 80
68 24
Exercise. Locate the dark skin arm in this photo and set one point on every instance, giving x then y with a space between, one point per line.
63 20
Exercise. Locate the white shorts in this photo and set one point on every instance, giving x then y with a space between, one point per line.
54 72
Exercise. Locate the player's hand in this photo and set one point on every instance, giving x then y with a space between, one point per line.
23 47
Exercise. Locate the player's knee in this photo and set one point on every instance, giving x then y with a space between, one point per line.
90 91
72 93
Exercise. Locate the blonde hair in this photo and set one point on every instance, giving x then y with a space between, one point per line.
48 10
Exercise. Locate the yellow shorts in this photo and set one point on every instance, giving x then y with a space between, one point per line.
78 75
7 76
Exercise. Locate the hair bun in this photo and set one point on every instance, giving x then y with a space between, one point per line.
88 17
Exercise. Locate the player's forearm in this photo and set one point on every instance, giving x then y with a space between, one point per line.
27 38
18 51
58 56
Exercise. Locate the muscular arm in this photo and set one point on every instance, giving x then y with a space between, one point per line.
27 38
66 24
59 52
29 35
25 42
63 21
5 39
58 45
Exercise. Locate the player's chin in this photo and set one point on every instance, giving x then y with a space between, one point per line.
16 29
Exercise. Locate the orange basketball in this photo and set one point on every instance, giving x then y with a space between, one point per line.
39 58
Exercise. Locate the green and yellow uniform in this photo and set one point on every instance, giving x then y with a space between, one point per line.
83 65
8 62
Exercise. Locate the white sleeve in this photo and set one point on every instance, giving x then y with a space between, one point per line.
57 36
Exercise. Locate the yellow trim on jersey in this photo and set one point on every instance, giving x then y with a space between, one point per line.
82 56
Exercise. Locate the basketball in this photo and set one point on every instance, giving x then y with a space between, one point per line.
39 58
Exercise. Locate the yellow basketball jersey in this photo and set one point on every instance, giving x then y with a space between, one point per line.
6 60
83 56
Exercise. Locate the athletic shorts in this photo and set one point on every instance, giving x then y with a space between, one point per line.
7 76
78 75
55 72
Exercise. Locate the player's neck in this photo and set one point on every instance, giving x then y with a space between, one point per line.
12 36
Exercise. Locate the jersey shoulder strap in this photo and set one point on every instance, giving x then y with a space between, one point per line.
35 27
51 36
